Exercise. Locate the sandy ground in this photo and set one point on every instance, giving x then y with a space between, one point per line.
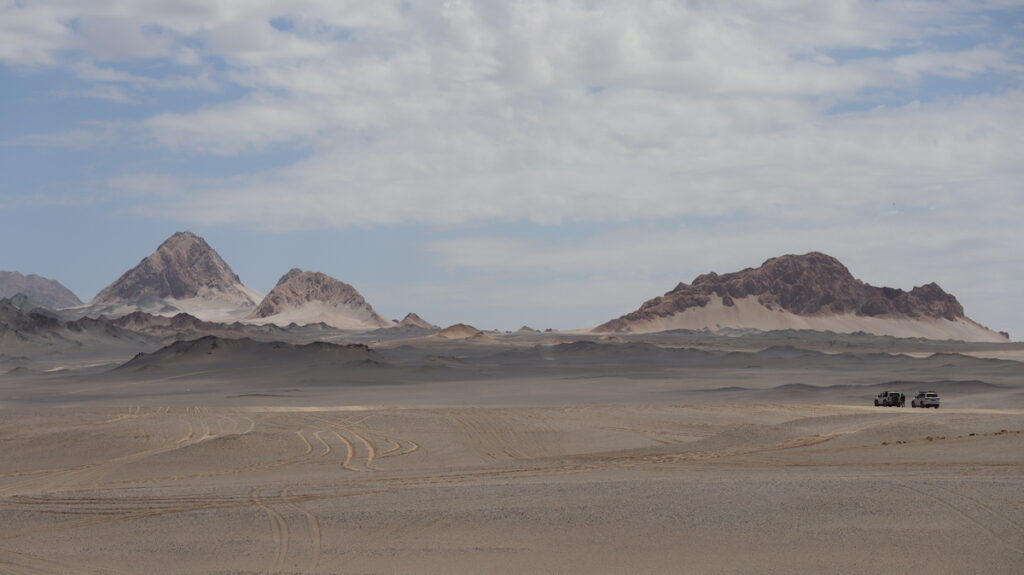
590 488
520 458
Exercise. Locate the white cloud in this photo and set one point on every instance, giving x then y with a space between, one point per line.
81 138
610 112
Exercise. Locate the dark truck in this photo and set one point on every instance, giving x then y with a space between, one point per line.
890 399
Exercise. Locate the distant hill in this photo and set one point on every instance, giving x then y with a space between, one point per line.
414 320
811 291
248 352
306 297
44 291
42 331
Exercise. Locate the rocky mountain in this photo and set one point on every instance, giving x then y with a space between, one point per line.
413 320
305 297
811 291
39 331
44 291
184 274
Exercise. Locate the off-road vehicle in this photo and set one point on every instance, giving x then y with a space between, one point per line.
925 399
890 399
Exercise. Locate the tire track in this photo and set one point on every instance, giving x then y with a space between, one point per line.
350 452
1008 532
64 478
312 527
278 526
366 436
25 564
327 446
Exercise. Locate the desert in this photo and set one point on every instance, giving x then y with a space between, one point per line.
578 287
141 442
516 453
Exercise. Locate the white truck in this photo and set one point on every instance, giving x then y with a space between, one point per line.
925 399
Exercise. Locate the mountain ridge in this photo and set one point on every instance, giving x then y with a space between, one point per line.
802 291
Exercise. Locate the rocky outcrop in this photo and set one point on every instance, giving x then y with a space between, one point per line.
812 285
305 297
212 350
461 331
413 320
46 292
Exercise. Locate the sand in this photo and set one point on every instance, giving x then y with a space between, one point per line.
618 458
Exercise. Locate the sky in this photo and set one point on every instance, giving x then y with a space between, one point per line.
507 163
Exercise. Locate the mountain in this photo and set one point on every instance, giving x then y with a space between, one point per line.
40 331
45 292
413 320
811 291
184 274
308 297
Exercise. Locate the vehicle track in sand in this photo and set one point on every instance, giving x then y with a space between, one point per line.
64 478
260 466
312 527
279 529
1000 527
25 564
496 437
353 435
106 510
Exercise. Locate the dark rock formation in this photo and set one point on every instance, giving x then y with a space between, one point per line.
212 349
45 292
42 330
812 284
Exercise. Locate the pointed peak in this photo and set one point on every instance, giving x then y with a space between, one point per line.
181 238
184 266
293 274
415 320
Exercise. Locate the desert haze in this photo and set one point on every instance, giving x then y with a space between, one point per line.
137 438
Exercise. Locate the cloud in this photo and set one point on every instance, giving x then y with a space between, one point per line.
615 157
554 112
680 129
81 138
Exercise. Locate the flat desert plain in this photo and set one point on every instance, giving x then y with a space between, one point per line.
582 459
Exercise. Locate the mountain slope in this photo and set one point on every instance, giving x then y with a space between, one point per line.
811 291
305 297
37 332
184 274
44 291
